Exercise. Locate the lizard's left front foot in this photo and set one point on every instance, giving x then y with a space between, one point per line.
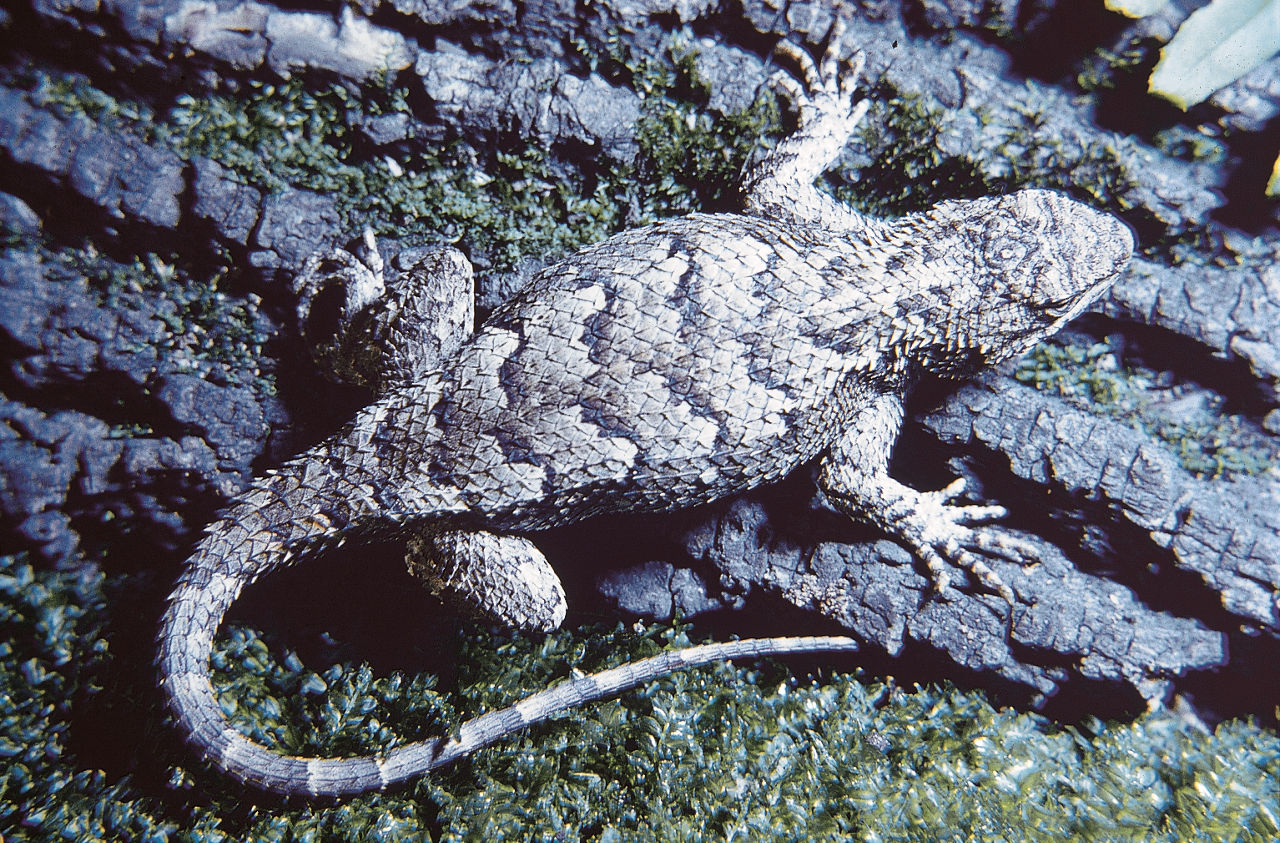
828 114
939 534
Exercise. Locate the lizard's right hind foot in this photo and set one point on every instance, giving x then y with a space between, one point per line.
379 329
502 579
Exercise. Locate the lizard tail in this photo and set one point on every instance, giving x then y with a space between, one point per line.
285 517
257 536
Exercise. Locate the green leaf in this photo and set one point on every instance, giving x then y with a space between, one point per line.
1273 183
1214 47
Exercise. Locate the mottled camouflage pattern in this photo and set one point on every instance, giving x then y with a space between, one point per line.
665 367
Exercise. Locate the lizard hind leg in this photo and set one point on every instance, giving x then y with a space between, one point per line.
378 326
502 579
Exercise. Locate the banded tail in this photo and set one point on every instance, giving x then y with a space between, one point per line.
270 529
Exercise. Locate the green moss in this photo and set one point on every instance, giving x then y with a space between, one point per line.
71 95
1201 144
907 168
1207 441
1027 156
905 160
53 655
219 335
1218 447
276 135
691 156
500 205
718 752
1102 70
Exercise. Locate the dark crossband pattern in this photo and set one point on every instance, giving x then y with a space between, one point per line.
665 367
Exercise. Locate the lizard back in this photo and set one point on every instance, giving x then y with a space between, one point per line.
663 367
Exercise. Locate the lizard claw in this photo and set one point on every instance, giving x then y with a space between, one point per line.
824 95
968 514
334 289
827 92
940 535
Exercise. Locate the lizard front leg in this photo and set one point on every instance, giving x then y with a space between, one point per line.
855 478
781 184
380 329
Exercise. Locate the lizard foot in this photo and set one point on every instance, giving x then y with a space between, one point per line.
941 535
377 325
333 289
825 98
502 579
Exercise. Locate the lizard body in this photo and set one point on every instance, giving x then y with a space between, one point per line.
665 367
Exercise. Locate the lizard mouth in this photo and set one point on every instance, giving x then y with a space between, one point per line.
1122 240
1102 245
1106 241
1100 248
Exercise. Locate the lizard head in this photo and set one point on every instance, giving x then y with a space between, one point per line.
1012 270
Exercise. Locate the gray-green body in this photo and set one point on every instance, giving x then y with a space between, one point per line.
663 368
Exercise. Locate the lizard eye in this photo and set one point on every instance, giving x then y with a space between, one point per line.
1002 249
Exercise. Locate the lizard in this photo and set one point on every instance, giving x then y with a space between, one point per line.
666 366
